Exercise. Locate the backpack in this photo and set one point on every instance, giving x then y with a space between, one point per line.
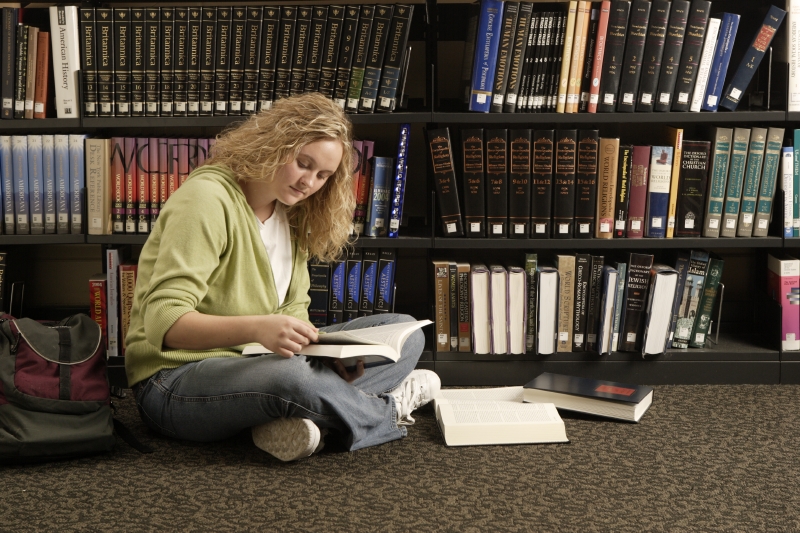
55 400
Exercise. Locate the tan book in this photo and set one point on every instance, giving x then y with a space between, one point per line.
606 187
565 264
441 280
30 80
566 57
40 93
98 185
127 285
675 136
578 53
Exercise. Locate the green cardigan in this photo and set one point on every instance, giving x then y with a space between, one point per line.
204 254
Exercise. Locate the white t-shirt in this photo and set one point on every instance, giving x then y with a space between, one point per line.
277 242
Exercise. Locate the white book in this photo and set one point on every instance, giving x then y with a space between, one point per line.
112 301
793 52
502 394
66 59
704 68
498 299
547 307
787 184
517 309
663 281
607 308
479 300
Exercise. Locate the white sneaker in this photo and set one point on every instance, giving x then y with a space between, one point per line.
289 439
416 390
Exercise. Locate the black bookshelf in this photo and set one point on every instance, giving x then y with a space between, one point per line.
7 240
605 244
42 125
610 118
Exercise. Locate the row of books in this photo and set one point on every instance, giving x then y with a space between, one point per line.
583 303
237 60
111 298
523 183
783 286
622 56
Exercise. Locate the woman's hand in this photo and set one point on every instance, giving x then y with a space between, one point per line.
337 366
285 335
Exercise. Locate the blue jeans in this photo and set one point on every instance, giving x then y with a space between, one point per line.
216 398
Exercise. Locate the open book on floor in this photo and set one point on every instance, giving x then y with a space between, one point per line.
375 346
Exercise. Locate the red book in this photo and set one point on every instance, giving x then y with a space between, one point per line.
599 51
143 173
155 189
163 172
131 186
97 304
118 184
364 187
40 92
637 206
183 160
127 284
173 180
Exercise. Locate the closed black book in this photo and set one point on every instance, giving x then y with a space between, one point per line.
614 55
395 55
517 59
180 85
519 184
692 188
356 82
337 288
504 51
152 66
690 55
167 61
538 45
554 66
318 292
283 63
526 69
564 184
670 61
588 60
346 51
222 60
88 58
302 40
544 62
252 55
9 63
330 57
653 52
237 59
586 183
623 193
369 278
208 54
377 51
352 288
138 60
319 20
122 62
104 22
20 81
474 177
595 297
636 286
638 22
384 289
583 275
497 183
542 181
269 57
193 60
445 180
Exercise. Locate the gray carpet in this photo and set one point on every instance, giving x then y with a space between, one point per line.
703 458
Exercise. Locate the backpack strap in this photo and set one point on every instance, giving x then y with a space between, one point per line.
129 437
65 368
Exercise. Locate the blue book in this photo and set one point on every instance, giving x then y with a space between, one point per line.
61 152
49 171
336 302
722 57
608 304
769 180
796 188
752 59
369 280
787 175
485 62
77 181
399 181
7 176
379 205
352 285
19 154
658 191
384 298
36 184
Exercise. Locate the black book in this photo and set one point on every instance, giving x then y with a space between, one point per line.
384 288
583 274
497 183
252 55
268 60
330 57
193 61
283 63
167 61
237 59
369 278
519 184
20 81
356 82
181 63
104 23
208 52
653 52
546 70
9 63
613 55
319 20
517 59
318 292
692 188
595 297
586 183
377 50
690 55
152 66
542 181
623 192
337 291
222 60
564 184
444 177
346 50
302 39
538 45
352 288
588 60
636 286
507 33
474 177
122 62
554 66
88 58
638 22
531 47
138 61
394 60
670 61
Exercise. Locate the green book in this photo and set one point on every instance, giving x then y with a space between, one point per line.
769 177
752 178
706 305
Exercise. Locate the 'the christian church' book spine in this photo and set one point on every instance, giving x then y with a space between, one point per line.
692 188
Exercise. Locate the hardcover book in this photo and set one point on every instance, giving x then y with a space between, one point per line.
690 54
452 292
693 187
599 55
658 191
690 298
720 157
531 268
105 62
722 57
360 53
593 305
519 179
783 285
141 161
652 54
607 311
35 184
382 173
88 65
586 183
562 81
138 59
522 35
364 193
622 278
704 66
384 298
194 60
441 283
547 310
395 54
622 197
30 77
9 60
497 182
152 70
588 59
508 28
483 67
238 52
333 38
670 61
464 312
748 195
381 24
336 301
98 195
398 185
252 55
346 50
636 287
369 280
122 62
579 43
640 177
63 196
681 267
542 177
319 277
7 176
180 61
566 301
19 154
769 178
222 60
634 49
613 56
66 59
675 139
583 275
474 183
706 305
268 60
606 187
445 180
564 184
167 67
49 172
77 178
352 290
661 295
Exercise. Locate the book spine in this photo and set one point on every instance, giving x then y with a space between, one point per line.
564 184
783 284
105 62
746 202
127 285
344 64
8 61
122 62
88 65
653 54
398 187
35 184
286 50
795 188
704 67
464 314
517 59
474 182
30 80
485 61
576 60
613 55
77 176
384 298
252 56
117 185
164 164
131 194
690 54
377 50
473 14
22 71
676 135
531 265
98 306
364 187
787 177
368 282
722 58
673 48
542 178
537 36
66 59
681 267
508 27
452 293
61 150
49 171
222 61
733 92
112 260
583 266
566 300
362 43
690 298
8 185
769 177
634 49
720 157
96 190
208 54
586 183
338 282
497 182
588 60
194 60
637 206
692 188
551 84
173 177
607 177
599 56
332 43
706 305
180 86
268 61
352 288
622 268
141 160
319 288
319 20
302 38
152 72
595 297
237 60
19 151
395 54
138 59
566 55
519 183
445 180
622 195
661 158
441 277
636 288
154 178
383 170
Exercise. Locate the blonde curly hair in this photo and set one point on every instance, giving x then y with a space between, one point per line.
257 148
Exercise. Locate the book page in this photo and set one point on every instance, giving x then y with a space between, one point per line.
392 334
510 394
499 412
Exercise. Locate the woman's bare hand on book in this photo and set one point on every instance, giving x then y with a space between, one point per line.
286 335
337 366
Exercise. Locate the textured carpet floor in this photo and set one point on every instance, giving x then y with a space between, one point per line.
704 458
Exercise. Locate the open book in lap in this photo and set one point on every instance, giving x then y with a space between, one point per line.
378 345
